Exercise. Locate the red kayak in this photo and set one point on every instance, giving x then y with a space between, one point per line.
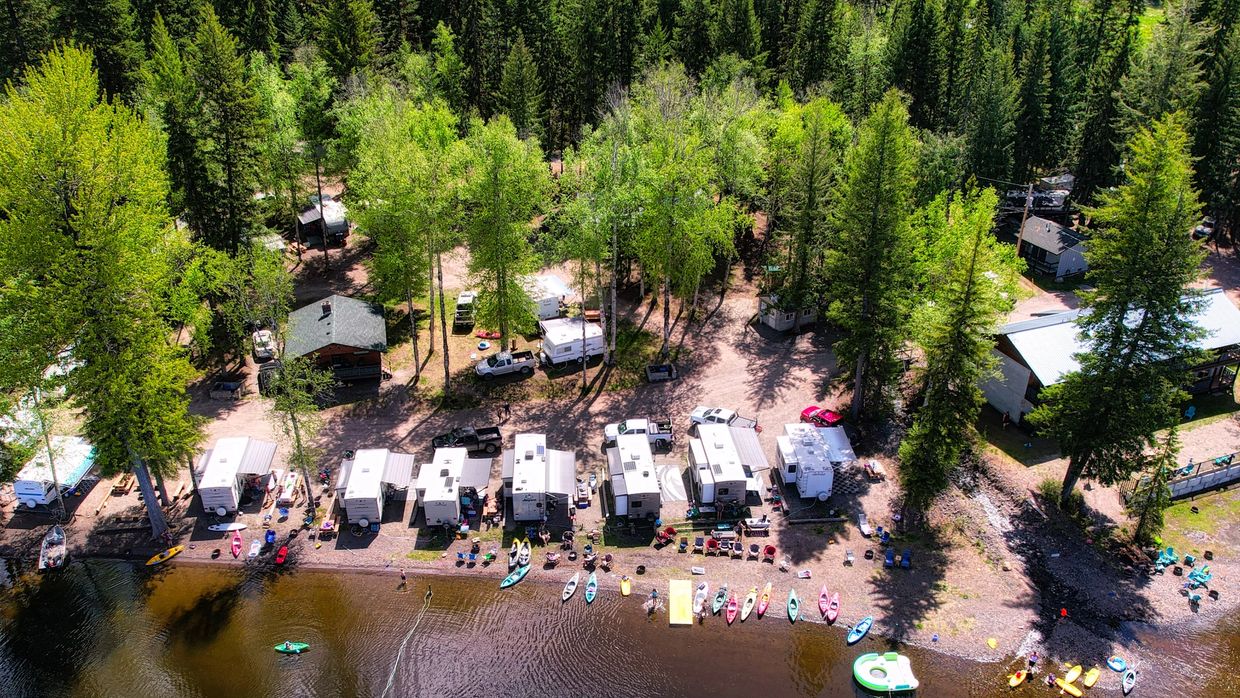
833 610
281 554
733 607
824 600
236 544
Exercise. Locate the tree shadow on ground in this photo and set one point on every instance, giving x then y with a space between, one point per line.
905 598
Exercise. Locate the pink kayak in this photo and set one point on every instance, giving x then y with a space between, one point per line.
236 544
824 600
733 607
833 610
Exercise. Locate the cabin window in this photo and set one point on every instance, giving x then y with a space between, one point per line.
723 490
635 505
792 468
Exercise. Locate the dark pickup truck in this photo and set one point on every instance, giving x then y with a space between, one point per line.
484 440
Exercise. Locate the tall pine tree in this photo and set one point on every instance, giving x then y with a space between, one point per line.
520 94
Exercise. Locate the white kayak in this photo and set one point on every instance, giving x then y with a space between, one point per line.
227 527
255 547
699 598
571 587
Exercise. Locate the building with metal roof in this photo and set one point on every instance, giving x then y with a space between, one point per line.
345 335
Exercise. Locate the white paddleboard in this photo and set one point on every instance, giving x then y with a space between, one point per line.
255 547
227 527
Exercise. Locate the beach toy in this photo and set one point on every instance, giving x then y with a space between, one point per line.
992 643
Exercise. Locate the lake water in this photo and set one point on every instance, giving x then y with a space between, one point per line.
103 628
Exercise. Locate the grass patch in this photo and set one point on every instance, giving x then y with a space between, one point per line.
1149 19
1186 531
1210 409
424 555
635 349
1017 445
1070 284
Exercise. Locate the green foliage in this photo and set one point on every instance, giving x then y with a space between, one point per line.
1152 496
348 37
868 261
296 391
506 185
520 93
107 27
694 44
866 75
915 59
1166 75
940 165
990 130
450 70
819 49
1141 262
971 285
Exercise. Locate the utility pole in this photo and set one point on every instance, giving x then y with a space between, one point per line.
1020 234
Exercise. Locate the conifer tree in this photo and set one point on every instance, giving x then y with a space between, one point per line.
818 50
348 37
107 28
1166 75
450 71
737 30
259 32
25 32
916 60
1098 140
953 97
1034 122
692 35
990 131
520 93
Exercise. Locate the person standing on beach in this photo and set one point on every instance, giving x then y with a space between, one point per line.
403 580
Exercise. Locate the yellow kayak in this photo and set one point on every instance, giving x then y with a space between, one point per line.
1091 677
165 555
1073 674
626 587
1068 688
1017 679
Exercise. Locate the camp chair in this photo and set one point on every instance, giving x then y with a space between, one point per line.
1194 598
768 553
891 558
684 543
738 550
712 546
906 559
725 547
698 543
473 559
460 557
1189 560
884 537
848 557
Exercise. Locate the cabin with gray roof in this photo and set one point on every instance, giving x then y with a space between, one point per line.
344 335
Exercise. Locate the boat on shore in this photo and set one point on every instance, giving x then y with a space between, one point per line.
764 601
732 609
591 588
165 555
699 598
513 551
721 599
833 608
626 586
1073 674
570 587
794 606
514 576
523 553
750 599
225 527
1091 677
235 545
859 630
1070 689
53 551
824 601
1129 681
889 672
1017 679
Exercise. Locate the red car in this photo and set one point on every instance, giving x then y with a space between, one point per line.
821 416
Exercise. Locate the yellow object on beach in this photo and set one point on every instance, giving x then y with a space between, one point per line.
680 602
1091 677
1073 674
992 643
626 587
1068 688
170 552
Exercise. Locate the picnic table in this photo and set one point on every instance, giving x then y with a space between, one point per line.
723 535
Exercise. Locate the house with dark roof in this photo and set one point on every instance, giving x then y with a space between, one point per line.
344 334
1034 354
1052 249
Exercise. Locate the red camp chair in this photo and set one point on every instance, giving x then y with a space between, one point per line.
768 554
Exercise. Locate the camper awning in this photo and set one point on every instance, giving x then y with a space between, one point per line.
257 458
749 448
510 458
561 472
476 473
398 470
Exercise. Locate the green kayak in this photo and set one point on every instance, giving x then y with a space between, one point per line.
292 647
516 576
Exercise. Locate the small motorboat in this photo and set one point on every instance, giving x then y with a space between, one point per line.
1017 679
1073 674
1065 687
860 629
889 672
292 647
699 598
165 555
764 600
281 554
794 606
515 576
512 553
1117 663
234 526
833 610
750 600
721 598
256 547
235 546
52 552
591 588
1128 681
1091 677
570 587
824 600
626 586
730 615
523 555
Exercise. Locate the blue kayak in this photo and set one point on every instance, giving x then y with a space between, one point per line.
860 629
1117 663
515 576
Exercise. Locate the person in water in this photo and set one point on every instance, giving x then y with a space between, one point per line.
288 645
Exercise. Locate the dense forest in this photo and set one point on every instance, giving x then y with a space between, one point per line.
869 137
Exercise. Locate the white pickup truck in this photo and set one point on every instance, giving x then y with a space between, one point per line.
503 363
719 415
657 433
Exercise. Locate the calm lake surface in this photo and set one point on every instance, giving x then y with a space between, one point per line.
102 628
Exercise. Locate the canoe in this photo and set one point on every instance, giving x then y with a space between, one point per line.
1065 687
255 548
236 544
512 554
721 598
523 555
292 647
570 587
626 586
860 629
750 600
52 552
165 555
514 577
1091 677
889 672
1129 681
1017 679
732 608
281 554
765 600
794 606
699 598
833 610
1117 663
591 588
234 526
824 600
1073 674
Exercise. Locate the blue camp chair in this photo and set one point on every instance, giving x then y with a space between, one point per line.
884 537
1189 560
473 558
891 558
906 560
460 557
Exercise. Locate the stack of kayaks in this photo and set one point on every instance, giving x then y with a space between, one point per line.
519 557
889 672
